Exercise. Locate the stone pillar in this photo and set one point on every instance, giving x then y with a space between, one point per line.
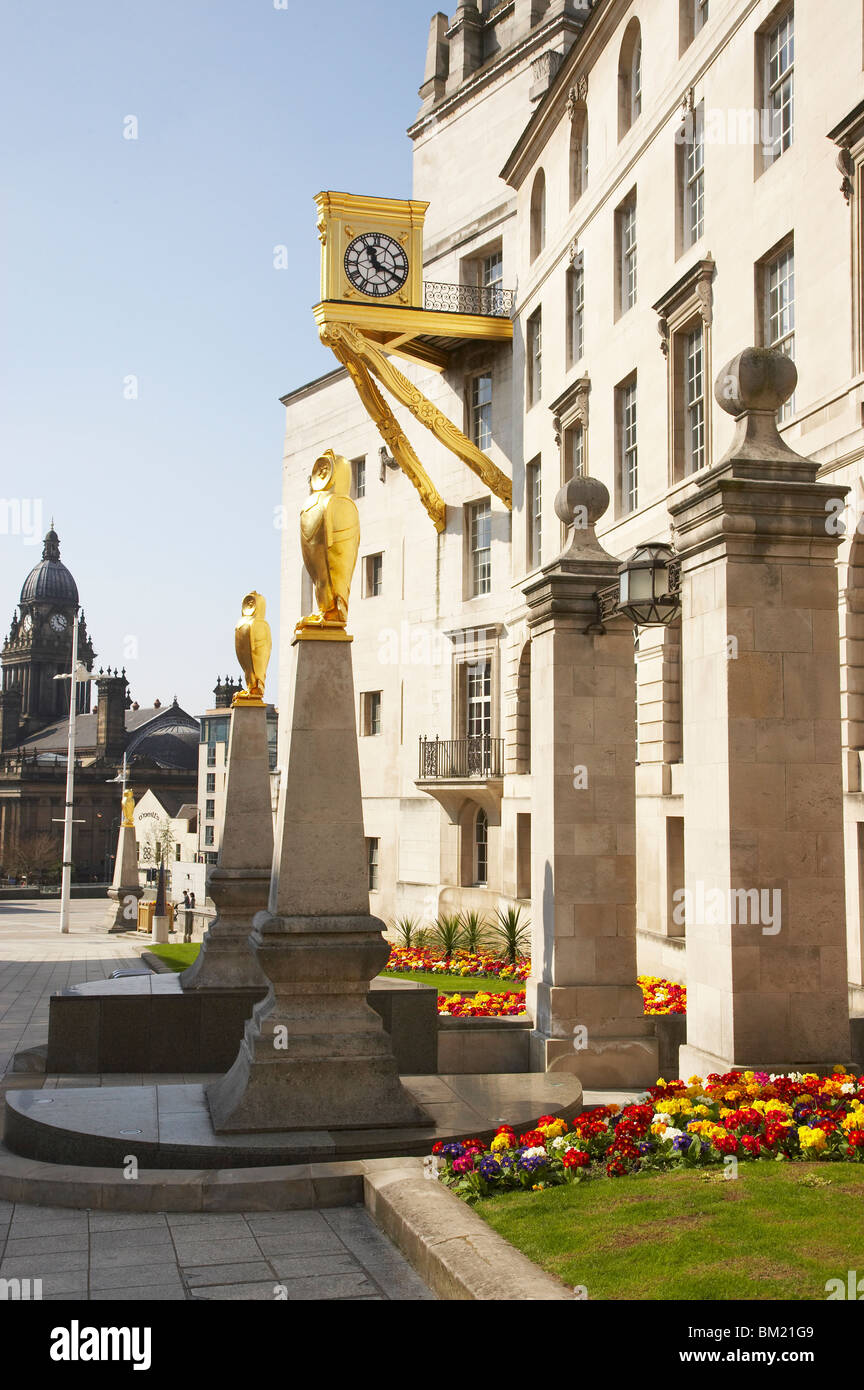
125 889
587 1007
315 1055
766 935
466 44
240 883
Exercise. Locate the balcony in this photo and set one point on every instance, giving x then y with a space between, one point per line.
454 771
486 301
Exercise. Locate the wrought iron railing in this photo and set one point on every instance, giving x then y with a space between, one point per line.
451 759
485 300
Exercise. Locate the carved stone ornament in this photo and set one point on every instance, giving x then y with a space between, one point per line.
846 165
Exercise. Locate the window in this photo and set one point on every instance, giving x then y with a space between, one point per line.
533 497
693 176
372 864
694 400
479 548
778 308
481 410
535 357
211 781
778 86
209 838
574 452
478 699
492 271
211 755
629 78
579 156
370 702
627 480
373 575
210 812
481 849
490 278
538 215
575 312
625 235
358 477
692 17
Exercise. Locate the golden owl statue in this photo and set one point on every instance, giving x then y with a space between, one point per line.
128 807
329 541
253 645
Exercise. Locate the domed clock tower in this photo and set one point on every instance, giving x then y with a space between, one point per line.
39 645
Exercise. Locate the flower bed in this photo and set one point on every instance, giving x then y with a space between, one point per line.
482 1005
745 1116
662 996
464 963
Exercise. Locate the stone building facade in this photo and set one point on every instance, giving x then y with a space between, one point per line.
660 185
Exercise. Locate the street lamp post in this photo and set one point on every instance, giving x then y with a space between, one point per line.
75 676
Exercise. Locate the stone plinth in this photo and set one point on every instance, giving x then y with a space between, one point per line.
763 852
314 1055
125 889
587 1007
161 929
240 883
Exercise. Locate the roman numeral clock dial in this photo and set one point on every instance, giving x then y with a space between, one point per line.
376 264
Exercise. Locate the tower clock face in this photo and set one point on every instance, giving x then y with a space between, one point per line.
27 623
376 264
58 622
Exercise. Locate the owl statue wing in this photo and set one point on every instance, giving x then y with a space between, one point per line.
261 644
313 547
243 648
342 529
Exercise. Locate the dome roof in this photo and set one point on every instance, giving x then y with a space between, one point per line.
50 581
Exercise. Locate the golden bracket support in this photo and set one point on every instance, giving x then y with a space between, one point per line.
361 357
377 409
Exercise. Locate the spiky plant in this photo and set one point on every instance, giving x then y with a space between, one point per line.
513 932
408 932
446 934
474 930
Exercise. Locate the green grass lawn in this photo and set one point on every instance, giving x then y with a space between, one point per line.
178 955
765 1235
457 984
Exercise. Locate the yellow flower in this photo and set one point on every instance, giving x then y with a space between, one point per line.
553 1130
499 1142
811 1138
701 1110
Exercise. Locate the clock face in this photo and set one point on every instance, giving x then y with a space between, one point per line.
27 623
376 264
58 622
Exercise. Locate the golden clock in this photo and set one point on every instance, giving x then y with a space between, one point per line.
372 249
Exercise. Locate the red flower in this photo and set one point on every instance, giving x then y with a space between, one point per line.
533 1139
576 1158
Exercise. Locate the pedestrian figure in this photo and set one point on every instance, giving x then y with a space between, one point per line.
188 915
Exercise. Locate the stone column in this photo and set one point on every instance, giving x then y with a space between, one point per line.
766 935
240 883
315 1055
125 889
587 1007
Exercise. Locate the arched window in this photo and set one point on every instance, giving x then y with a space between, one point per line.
538 215
629 78
481 849
523 711
579 155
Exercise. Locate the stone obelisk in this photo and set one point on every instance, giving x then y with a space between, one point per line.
315 1056
240 883
125 889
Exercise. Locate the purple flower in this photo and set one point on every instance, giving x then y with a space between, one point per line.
452 1151
489 1167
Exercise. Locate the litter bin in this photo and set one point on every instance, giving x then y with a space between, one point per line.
145 917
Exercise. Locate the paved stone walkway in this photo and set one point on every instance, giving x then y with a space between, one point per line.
299 1255
337 1253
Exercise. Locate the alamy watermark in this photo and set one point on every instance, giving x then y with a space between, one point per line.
702 907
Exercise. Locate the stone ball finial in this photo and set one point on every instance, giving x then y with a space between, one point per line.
758 379
582 500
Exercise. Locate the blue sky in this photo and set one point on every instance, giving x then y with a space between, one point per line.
146 266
